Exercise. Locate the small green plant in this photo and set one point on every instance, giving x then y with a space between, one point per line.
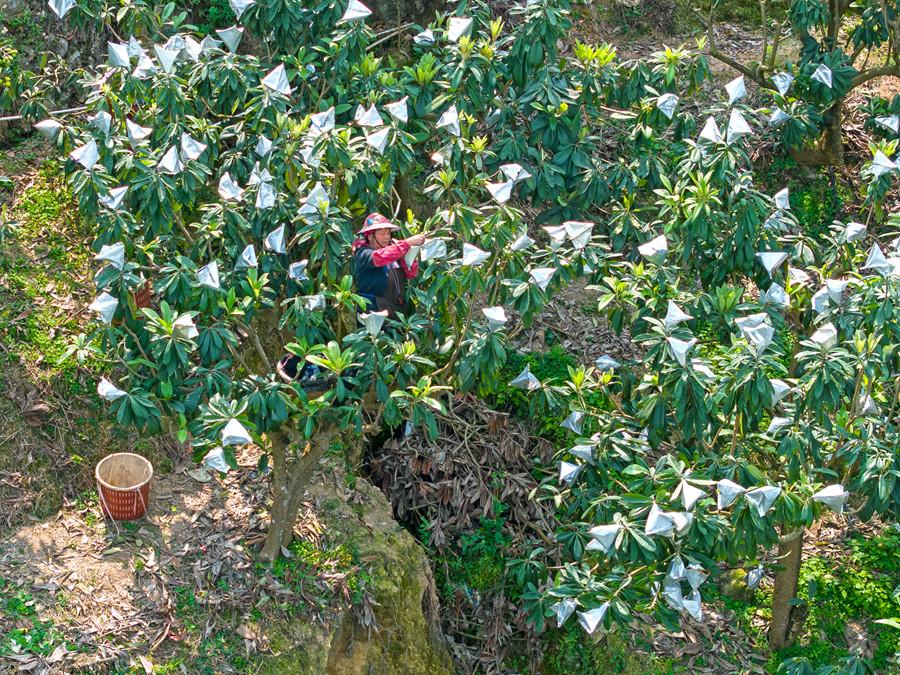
17 605
303 571
221 646
477 562
187 608
570 655
31 634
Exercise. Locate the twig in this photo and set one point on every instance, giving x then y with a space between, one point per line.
254 339
66 111
388 34
139 345
724 58
240 358
776 42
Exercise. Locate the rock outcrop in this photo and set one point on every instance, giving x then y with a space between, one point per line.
408 638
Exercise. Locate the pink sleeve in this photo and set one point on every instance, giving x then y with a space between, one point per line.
391 253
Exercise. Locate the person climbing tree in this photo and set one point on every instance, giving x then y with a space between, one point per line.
380 269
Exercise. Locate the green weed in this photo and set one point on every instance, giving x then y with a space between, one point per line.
221 646
31 634
571 654
859 590
187 608
478 561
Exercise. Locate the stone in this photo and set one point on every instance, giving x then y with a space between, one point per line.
733 583
408 639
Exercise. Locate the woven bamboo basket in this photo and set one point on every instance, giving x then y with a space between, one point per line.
143 297
123 483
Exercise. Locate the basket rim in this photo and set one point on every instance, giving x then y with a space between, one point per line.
133 488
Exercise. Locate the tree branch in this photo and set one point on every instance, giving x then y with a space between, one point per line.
254 339
776 43
724 58
834 26
872 73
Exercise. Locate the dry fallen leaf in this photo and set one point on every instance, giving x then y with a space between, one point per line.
146 664
690 649
35 413
246 632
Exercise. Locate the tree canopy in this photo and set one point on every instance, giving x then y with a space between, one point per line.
226 177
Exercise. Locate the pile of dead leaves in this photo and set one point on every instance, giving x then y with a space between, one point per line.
480 458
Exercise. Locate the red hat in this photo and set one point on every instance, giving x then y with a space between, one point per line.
376 221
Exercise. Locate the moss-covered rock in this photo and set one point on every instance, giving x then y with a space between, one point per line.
408 638
733 584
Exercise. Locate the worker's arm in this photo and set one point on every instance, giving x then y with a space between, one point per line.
390 253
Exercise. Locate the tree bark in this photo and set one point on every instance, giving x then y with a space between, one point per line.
288 481
280 497
830 150
401 11
834 136
790 555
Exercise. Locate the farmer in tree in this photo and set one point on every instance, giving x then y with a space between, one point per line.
379 267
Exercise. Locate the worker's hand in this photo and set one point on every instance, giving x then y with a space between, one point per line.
416 240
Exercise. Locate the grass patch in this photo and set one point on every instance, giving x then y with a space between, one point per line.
44 266
46 281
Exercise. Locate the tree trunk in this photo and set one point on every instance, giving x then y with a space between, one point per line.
830 151
834 137
280 498
288 481
398 12
790 555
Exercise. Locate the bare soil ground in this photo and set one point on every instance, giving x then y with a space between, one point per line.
179 588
